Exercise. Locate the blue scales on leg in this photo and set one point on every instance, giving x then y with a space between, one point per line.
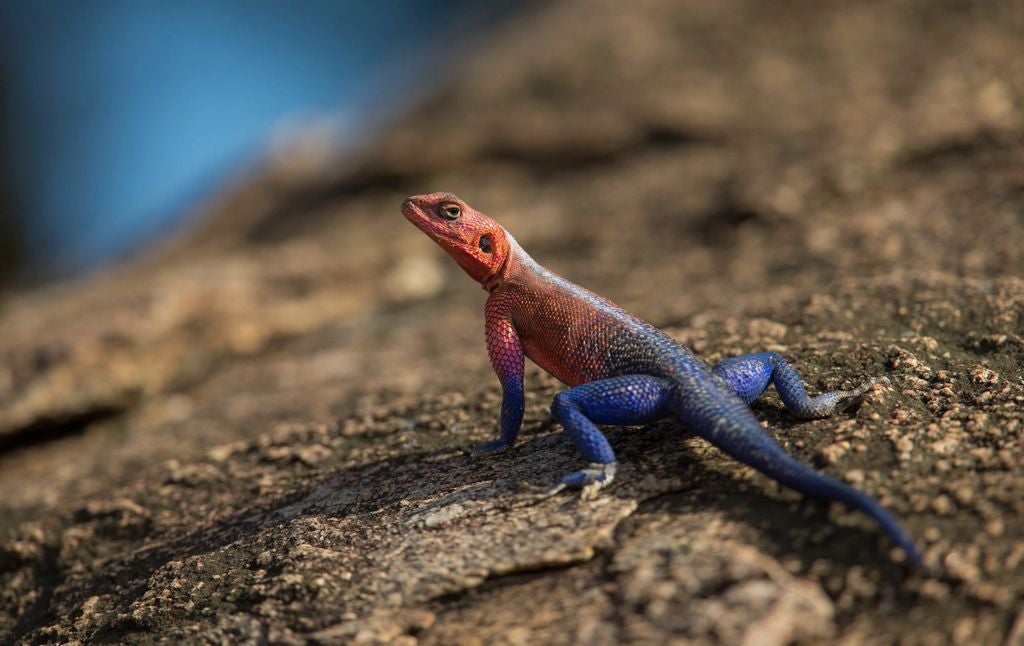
621 401
750 374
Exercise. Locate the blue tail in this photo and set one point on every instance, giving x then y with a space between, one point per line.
722 419
787 471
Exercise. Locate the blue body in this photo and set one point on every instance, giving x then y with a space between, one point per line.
624 371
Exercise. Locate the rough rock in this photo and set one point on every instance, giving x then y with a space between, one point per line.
254 435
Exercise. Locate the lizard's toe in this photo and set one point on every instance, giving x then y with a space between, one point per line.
535 493
589 481
851 398
485 448
837 401
598 476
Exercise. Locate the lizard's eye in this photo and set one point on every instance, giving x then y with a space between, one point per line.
450 212
485 243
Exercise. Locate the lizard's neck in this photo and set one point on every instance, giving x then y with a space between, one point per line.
517 263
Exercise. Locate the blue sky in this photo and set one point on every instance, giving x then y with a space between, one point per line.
117 115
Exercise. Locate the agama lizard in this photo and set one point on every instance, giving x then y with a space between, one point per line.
621 370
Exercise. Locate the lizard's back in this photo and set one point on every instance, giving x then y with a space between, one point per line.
578 336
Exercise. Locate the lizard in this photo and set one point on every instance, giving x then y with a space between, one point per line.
623 371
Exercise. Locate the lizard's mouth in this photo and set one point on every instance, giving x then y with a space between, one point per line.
413 213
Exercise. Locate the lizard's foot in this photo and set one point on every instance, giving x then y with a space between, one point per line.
486 448
837 401
590 481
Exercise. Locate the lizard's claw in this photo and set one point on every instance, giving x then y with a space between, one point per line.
590 481
836 401
535 493
486 448
850 398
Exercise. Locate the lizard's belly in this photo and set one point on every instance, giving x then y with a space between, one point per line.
572 355
554 365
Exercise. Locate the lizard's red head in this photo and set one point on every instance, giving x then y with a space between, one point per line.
474 240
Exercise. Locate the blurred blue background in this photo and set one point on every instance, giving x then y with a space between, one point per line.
117 115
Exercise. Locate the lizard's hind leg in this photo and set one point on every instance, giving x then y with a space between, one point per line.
750 374
626 400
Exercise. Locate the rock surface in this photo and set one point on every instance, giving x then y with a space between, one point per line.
255 437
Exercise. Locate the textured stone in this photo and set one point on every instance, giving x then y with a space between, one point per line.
253 435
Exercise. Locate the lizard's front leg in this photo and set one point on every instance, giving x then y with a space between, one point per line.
506 354
626 400
750 374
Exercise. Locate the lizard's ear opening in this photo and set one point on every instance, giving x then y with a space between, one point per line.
485 243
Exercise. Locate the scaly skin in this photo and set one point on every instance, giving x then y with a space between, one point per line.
620 369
